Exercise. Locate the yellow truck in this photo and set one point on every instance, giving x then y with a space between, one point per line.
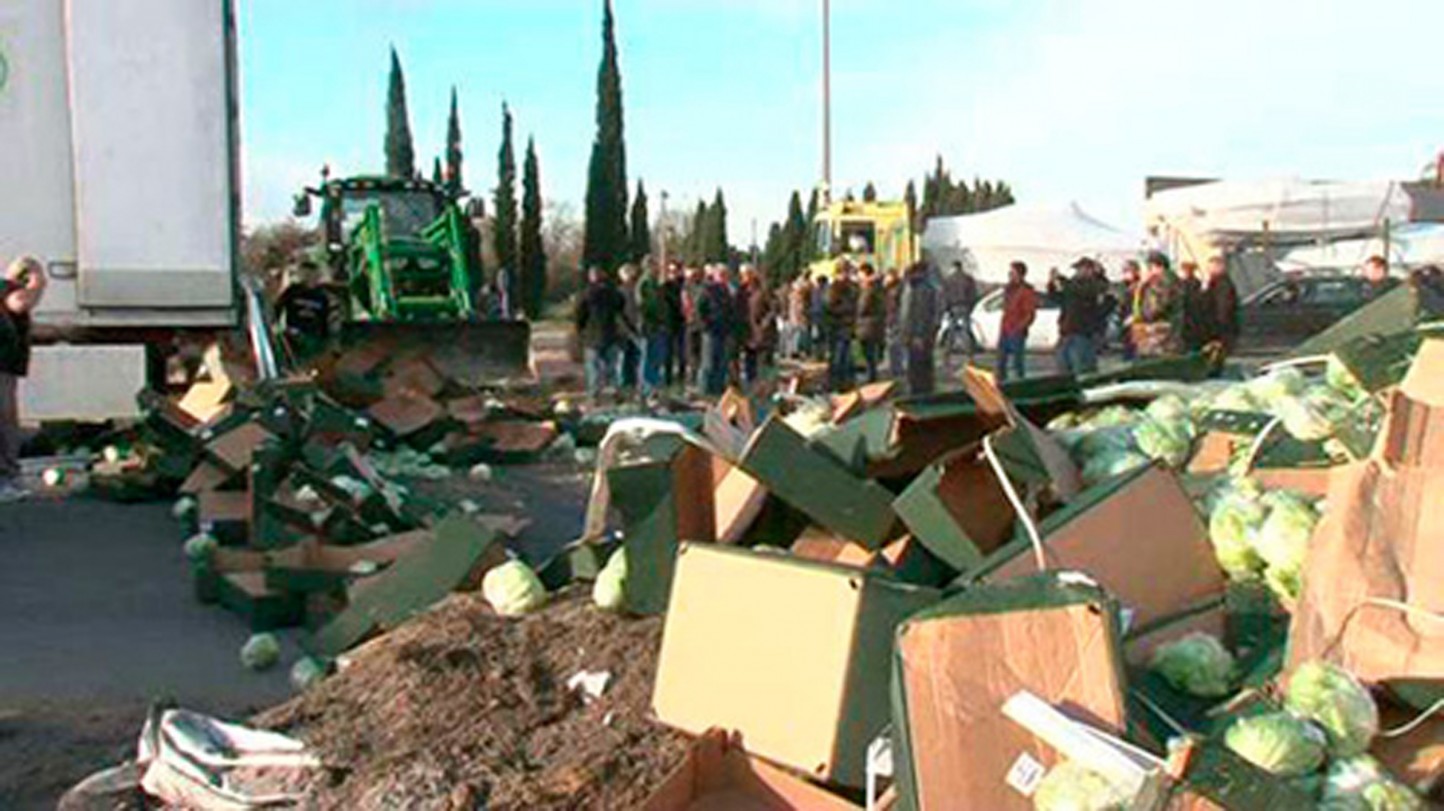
879 234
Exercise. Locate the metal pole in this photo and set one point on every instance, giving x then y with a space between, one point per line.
826 101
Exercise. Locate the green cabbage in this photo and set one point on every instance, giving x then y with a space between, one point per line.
1112 417
1168 408
1231 529
513 589
1063 422
307 672
1234 398
1361 784
199 548
1280 384
1340 379
1111 439
1169 442
1197 664
261 652
1107 465
1314 415
1277 742
1337 702
1283 540
1071 787
610 589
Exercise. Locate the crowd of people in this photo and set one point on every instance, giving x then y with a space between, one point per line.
705 328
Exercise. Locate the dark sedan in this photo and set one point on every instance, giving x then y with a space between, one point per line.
1287 312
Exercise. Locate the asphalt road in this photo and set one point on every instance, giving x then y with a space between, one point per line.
98 621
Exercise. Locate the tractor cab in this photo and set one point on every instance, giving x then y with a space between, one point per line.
879 234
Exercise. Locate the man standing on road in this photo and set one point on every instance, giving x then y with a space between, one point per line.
1220 307
601 323
892 290
871 320
920 312
631 345
965 301
20 291
1128 291
676 320
799 317
1080 316
1020 307
714 313
821 334
761 339
656 341
693 290
841 321
1195 321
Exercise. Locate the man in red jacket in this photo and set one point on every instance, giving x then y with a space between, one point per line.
1020 307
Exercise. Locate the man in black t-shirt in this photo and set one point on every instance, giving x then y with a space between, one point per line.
304 309
20 290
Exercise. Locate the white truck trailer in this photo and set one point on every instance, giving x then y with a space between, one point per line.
120 171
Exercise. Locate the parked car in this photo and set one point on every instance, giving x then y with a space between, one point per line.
1289 311
1043 337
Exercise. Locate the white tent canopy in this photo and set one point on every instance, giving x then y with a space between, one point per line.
1409 247
1040 236
1288 209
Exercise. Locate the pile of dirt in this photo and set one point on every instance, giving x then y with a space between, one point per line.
460 708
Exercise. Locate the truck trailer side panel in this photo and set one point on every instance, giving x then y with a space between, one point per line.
36 193
151 138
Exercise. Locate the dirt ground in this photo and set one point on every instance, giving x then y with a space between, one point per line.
464 709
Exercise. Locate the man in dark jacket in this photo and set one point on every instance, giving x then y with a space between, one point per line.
1220 306
714 309
1081 316
304 309
897 359
761 325
821 334
602 326
919 314
871 320
675 315
1195 319
20 291
842 301
656 340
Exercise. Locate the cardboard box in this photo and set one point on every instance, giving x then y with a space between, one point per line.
819 485
1380 545
822 547
958 510
956 665
661 505
738 499
791 654
1138 535
719 775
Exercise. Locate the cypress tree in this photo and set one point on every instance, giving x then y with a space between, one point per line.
454 183
799 247
503 228
605 242
911 198
718 248
436 171
808 248
697 236
869 193
533 258
641 226
774 256
400 154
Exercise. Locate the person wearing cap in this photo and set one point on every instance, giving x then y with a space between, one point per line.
1020 308
1157 310
1081 316
20 290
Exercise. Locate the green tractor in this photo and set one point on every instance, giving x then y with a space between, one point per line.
406 257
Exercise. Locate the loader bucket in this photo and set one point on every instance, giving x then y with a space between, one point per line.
471 353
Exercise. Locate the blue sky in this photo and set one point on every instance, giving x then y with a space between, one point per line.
1066 99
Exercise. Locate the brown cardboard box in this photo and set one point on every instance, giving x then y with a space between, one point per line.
1416 758
1139 536
791 654
819 545
1372 601
405 414
738 499
719 775
958 663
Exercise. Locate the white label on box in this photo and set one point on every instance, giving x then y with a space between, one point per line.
1026 774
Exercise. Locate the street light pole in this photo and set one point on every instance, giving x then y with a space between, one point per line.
826 101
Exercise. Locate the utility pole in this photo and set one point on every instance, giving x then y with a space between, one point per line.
826 101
